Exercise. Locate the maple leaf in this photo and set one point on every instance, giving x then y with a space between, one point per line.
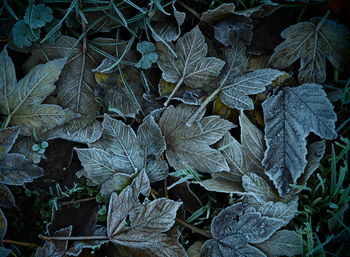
22 100
245 176
75 87
191 145
313 42
120 152
190 66
141 226
239 228
235 85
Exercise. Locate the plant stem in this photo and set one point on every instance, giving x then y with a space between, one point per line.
75 238
193 228
319 25
77 201
190 9
174 91
6 122
202 107
5 241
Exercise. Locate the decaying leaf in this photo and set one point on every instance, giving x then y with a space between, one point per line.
7 139
22 101
75 87
24 145
234 30
191 66
15 169
120 88
55 248
191 145
168 28
3 225
83 221
6 198
141 226
313 42
289 117
219 13
230 27
120 150
237 228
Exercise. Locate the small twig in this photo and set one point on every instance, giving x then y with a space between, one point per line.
202 107
196 14
73 238
6 241
77 201
102 116
193 228
174 91
319 25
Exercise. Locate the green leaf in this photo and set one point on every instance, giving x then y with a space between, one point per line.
23 35
38 16
149 56
4 252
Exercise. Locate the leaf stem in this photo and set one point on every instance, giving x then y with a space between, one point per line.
319 25
6 241
6 122
193 228
174 91
75 238
77 201
202 107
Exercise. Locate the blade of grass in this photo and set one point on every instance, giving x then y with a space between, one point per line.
58 25
129 2
9 9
